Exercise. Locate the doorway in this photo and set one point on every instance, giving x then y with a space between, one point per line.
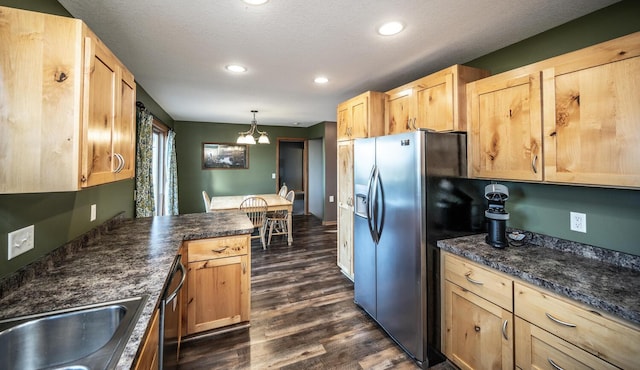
292 170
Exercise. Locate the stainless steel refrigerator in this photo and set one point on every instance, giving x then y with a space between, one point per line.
406 198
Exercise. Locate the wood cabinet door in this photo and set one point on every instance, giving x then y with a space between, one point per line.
399 111
591 123
345 207
124 134
40 84
478 334
539 349
343 125
359 116
148 357
345 173
345 241
435 103
101 81
218 293
506 128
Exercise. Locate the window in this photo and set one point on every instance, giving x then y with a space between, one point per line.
158 168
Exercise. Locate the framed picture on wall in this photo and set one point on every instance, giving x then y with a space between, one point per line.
217 156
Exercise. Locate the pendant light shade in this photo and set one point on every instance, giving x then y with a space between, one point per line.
247 137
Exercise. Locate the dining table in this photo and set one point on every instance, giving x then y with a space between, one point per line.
274 203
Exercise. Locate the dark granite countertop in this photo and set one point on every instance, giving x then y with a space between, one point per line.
130 259
606 280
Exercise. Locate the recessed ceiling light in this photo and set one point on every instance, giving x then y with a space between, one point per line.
255 2
390 28
321 80
236 68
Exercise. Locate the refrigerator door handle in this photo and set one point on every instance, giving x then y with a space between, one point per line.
373 201
370 186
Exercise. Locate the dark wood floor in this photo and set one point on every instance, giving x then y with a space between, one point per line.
302 314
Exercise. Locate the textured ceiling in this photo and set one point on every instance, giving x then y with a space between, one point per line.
177 50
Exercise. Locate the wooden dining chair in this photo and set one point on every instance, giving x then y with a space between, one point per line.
277 221
283 191
207 201
256 210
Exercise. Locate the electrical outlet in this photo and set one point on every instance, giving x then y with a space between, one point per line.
273 176
578 222
20 241
330 198
93 212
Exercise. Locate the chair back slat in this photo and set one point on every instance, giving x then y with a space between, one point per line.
256 210
207 201
283 191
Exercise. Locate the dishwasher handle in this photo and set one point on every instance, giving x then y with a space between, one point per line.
183 271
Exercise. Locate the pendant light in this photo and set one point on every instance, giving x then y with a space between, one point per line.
247 137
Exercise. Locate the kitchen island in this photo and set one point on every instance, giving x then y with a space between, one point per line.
123 259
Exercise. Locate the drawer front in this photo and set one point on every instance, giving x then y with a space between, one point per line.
612 340
538 349
206 249
489 285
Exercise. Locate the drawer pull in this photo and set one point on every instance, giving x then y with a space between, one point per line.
555 366
560 321
468 274
219 250
504 329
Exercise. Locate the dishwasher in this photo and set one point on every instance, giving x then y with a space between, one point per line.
170 318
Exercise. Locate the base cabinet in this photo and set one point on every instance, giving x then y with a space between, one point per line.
539 349
493 321
218 282
148 356
581 334
477 329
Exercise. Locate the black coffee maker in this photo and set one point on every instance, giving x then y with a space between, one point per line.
496 215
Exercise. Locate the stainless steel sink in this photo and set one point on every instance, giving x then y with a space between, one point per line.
87 337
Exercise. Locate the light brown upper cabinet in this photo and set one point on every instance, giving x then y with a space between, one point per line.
569 119
361 116
68 111
109 101
592 115
505 130
435 102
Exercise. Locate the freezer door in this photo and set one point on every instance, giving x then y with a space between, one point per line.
401 255
364 248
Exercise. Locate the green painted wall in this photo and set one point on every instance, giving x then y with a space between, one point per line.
613 215
192 179
617 20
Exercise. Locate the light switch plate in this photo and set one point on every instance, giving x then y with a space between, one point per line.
20 241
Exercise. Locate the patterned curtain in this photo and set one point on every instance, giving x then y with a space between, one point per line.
145 206
171 202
